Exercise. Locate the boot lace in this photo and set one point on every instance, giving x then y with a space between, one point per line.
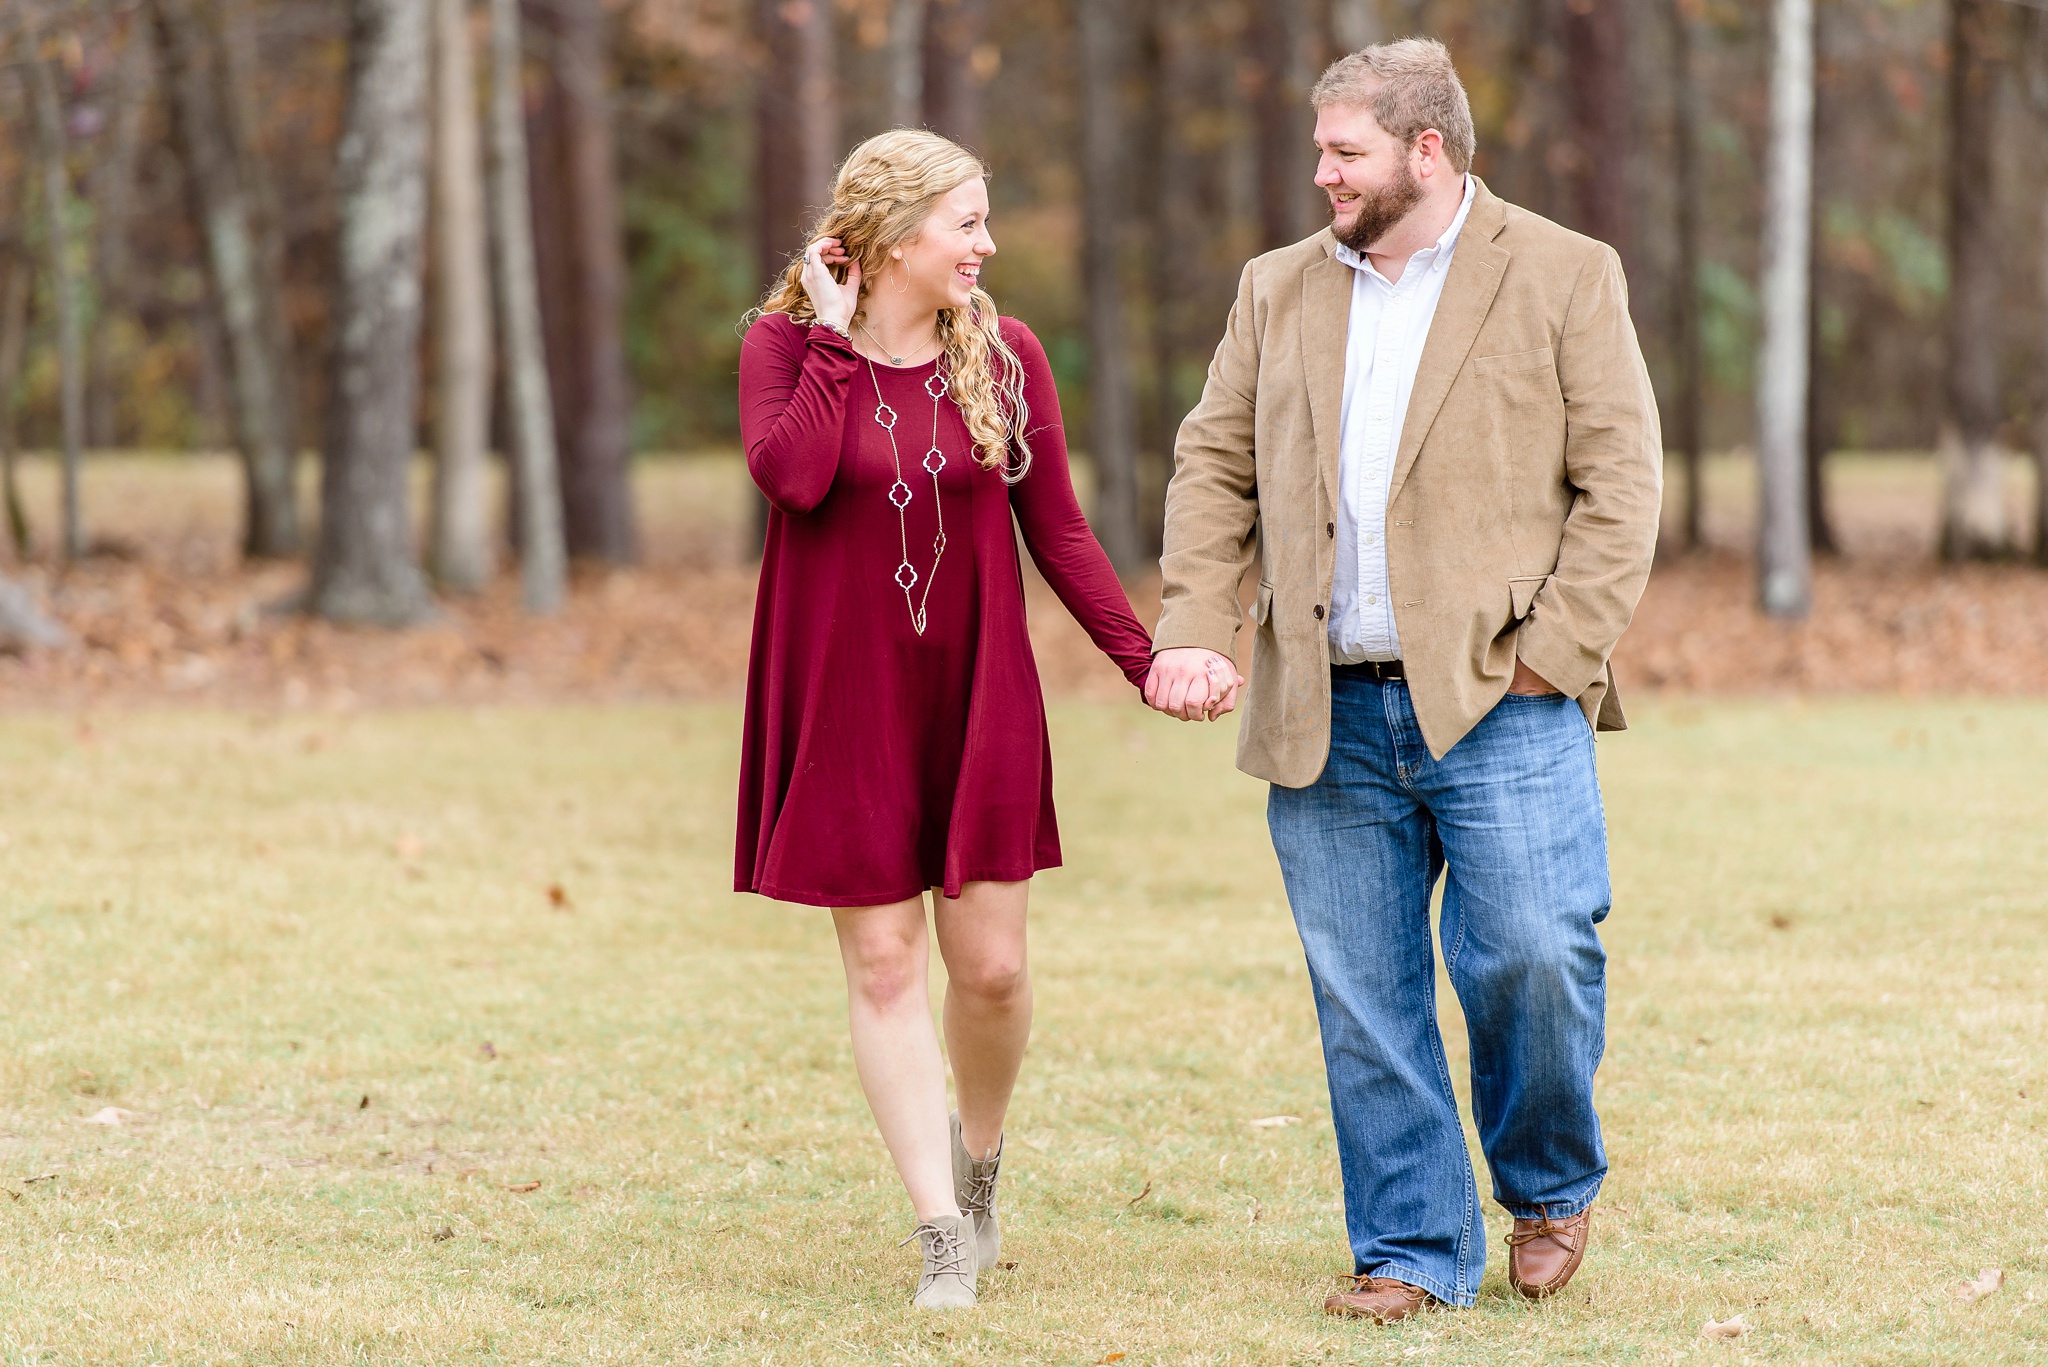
945 1250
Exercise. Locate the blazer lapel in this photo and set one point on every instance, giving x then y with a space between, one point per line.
1477 265
1325 321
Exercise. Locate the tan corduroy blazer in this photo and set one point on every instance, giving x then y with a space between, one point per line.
1523 509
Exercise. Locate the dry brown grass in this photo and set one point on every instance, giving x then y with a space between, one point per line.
1823 1093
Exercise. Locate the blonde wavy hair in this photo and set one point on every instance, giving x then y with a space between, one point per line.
885 190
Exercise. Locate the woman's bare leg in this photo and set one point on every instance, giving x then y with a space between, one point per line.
988 1003
895 1052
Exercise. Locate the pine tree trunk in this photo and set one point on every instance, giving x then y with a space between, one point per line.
1282 122
1974 523
365 570
244 257
113 193
1688 426
529 411
49 118
1105 176
953 68
2036 22
594 434
1356 24
906 62
795 140
1602 123
1785 558
462 314
14 299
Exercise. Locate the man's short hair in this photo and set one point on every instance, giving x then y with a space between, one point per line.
1411 87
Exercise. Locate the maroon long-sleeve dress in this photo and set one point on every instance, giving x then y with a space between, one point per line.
879 762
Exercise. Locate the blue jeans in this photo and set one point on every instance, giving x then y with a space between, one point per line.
1513 811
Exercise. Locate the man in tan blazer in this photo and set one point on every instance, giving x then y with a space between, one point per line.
1431 427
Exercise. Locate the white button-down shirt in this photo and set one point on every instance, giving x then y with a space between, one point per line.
1382 348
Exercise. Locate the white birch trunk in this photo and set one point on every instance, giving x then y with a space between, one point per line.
462 314
543 569
1785 558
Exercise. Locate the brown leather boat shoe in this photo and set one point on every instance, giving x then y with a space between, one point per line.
1543 1254
1379 1299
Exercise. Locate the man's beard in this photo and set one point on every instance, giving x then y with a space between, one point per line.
1379 210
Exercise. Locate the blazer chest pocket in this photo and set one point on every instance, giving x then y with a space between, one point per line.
1262 604
1510 362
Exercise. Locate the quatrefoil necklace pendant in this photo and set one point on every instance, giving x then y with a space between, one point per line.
900 495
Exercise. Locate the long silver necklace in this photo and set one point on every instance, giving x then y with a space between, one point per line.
900 495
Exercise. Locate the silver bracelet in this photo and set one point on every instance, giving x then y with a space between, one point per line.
833 327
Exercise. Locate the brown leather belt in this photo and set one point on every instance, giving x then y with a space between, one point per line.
1382 670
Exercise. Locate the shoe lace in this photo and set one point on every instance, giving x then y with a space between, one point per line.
979 1195
1544 1228
944 1249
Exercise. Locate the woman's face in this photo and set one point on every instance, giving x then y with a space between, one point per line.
939 267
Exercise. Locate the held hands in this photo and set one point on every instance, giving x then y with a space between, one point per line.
833 302
1192 684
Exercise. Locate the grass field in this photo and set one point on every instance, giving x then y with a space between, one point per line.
348 982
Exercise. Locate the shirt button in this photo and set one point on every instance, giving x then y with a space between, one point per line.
1372 598
1319 612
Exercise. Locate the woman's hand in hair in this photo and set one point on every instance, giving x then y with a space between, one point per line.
833 301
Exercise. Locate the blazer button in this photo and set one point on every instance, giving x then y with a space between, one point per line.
1319 612
1329 529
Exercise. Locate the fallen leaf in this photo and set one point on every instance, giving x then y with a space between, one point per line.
1140 1196
1733 1328
1108 1358
108 1115
1006 1267
1988 1281
558 897
364 1104
39 1177
488 1050
444 1234
523 1186
1274 1122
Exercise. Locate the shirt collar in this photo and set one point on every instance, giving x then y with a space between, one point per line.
1428 256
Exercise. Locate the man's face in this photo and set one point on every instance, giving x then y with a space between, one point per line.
1366 172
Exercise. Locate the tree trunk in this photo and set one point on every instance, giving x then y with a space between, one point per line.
14 300
244 258
796 125
1601 119
956 66
113 192
2037 85
1356 24
462 313
529 411
1690 356
795 140
1785 558
1105 177
365 570
1282 122
1973 505
583 291
49 117
906 62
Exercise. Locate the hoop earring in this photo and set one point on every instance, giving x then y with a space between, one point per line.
904 288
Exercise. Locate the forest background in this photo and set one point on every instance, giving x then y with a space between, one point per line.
448 284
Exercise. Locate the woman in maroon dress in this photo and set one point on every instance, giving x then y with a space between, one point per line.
895 733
